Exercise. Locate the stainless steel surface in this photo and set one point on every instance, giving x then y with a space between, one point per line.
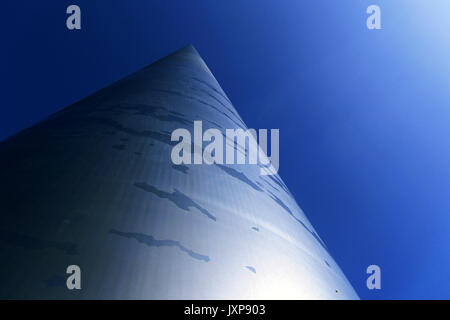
93 185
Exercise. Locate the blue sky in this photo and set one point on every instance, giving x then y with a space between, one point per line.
364 116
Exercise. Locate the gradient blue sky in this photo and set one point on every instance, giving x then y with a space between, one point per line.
364 116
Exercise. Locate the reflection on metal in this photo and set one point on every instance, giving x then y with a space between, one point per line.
94 185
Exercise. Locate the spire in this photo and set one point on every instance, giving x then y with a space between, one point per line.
94 186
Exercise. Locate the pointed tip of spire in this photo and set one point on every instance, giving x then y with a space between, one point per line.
185 51
189 48
186 54
189 45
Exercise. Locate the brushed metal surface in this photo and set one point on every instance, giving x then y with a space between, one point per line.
93 185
